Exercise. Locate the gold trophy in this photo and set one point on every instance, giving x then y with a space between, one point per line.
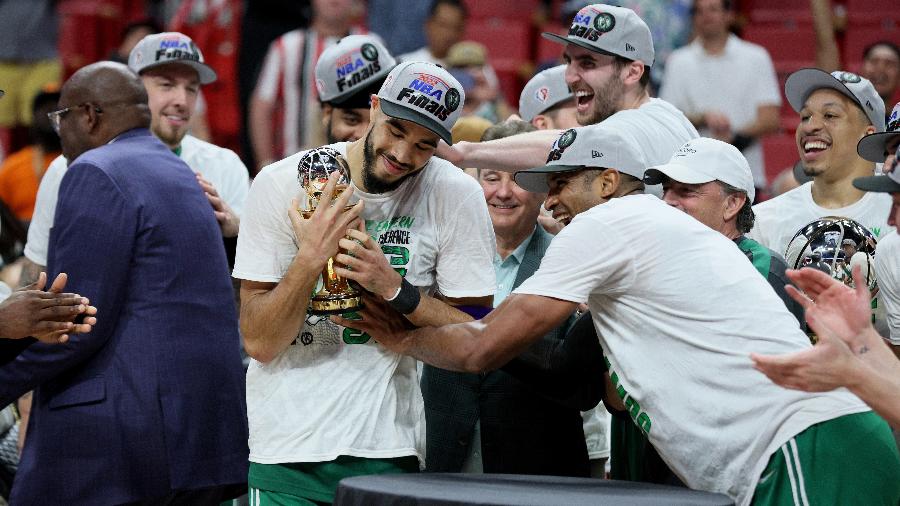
333 294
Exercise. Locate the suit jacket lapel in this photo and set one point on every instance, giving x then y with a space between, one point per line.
531 260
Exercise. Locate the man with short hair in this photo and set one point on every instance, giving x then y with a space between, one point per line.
420 237
836 111
172 70
711 181
668 337
725 85
155 391
881 65
347 75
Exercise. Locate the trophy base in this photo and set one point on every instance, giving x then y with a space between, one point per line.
335 306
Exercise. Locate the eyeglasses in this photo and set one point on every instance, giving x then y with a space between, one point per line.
56 116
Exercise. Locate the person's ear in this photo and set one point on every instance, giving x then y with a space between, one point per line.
541 122
606 184
326 114
733 204
92 117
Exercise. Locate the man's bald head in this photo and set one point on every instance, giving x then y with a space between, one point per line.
105 99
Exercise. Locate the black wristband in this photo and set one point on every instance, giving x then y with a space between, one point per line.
407 300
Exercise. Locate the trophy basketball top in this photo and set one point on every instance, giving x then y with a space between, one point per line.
313 170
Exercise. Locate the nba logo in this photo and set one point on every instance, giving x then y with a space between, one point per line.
541 94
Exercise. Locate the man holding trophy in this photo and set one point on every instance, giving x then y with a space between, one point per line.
325 401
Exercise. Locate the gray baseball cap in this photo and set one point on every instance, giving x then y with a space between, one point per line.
425 94
885 183
356 64
543 91
703 160
610 30
802 83
594 146
169 47
873 146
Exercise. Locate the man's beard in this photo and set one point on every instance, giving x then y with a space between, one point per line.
607 101
328 134
372 182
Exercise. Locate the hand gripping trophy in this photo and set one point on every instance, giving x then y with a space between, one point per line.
333 294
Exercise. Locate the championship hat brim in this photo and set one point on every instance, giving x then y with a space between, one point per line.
535 180
400 112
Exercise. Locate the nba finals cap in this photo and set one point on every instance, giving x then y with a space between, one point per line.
610 30
873 147
169 47
885 183
425 94
543 91
351 71
595 146
703 160
802 83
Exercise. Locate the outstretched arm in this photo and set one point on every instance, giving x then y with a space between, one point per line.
849 353
475 346
509 154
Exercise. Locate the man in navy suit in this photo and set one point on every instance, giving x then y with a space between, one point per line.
148 407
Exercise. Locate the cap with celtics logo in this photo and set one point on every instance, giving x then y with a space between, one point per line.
610 30
425 94
352 70
169 47
873 147
592 147
802 83
545 90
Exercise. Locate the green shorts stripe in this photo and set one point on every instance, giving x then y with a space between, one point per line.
852 459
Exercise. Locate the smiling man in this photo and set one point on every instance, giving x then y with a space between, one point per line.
172 69
836 111
326 401
608 53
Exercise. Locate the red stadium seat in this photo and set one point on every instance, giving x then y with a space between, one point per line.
784 44
507 9
786 18
547 50
504 38
779 152
778 4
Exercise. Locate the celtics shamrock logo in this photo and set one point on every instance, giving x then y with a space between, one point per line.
369 52
604 22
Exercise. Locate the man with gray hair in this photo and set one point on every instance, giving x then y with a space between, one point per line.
712 181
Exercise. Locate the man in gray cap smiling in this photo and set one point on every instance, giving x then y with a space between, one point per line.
172 69
421 227
608 53
836 111
347 75
668 337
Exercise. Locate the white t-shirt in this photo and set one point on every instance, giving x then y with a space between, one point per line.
323 397
779 219
678 309
887 272
220 166
734 83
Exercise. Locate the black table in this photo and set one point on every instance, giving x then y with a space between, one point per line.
448 489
